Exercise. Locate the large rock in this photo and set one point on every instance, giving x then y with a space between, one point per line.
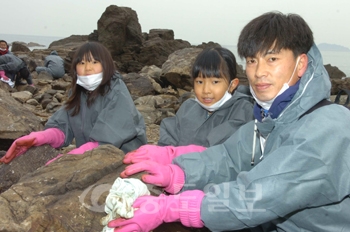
176 71
16 120
334 72
67 195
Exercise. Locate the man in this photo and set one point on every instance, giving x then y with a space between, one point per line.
287 171
53 65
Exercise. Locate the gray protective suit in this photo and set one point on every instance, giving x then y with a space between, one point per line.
53 64
112 119
11 63
193 125
301 182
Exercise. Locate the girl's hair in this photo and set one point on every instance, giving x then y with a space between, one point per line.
215 62
86 52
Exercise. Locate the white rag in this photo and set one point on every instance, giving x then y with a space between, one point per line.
119 201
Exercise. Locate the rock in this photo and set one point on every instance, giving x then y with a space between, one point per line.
177 69
16 120
138 85
71 42
33 159
22 96
19 47
334 72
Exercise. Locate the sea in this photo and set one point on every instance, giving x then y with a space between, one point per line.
334 58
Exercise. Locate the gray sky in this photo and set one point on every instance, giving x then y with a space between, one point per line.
196 21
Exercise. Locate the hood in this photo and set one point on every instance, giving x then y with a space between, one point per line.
314 86
54 53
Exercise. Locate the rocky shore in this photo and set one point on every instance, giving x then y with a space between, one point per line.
69 194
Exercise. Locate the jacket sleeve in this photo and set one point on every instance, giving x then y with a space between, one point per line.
60 120
221 162
305 171
168 132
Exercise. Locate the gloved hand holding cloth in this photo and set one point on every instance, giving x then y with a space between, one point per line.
169 176
153 211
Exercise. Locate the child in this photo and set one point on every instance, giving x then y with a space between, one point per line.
99 110
209 119
217 110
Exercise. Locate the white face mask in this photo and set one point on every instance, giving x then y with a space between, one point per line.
3 49
90 82
217 104
267 104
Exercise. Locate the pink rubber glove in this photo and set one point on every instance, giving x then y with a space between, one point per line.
77 151
2 73
52 136
153 211
169 176
162 155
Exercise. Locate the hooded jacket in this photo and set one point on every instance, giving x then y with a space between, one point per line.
193 125
111 119
11 63
54 64
301 180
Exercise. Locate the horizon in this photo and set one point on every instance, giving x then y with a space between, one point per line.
59 37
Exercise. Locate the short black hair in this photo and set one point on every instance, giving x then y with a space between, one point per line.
275 30
215 62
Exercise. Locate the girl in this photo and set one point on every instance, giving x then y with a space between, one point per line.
217 110
99 110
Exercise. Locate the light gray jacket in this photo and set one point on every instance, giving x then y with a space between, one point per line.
193 125
302 180
55 64
112 119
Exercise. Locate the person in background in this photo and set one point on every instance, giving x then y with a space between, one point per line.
99 110
4 48
217 111
285 171
13 69
53 65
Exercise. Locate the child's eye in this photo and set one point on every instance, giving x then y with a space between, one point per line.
95 62
272 59
199 82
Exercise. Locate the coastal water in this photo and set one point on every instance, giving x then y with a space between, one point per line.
339 59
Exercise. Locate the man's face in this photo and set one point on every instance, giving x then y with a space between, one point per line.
3 45
268 72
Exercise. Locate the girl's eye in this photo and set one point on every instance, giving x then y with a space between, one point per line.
199 82
272 59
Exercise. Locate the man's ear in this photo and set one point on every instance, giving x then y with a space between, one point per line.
302 66
233 85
